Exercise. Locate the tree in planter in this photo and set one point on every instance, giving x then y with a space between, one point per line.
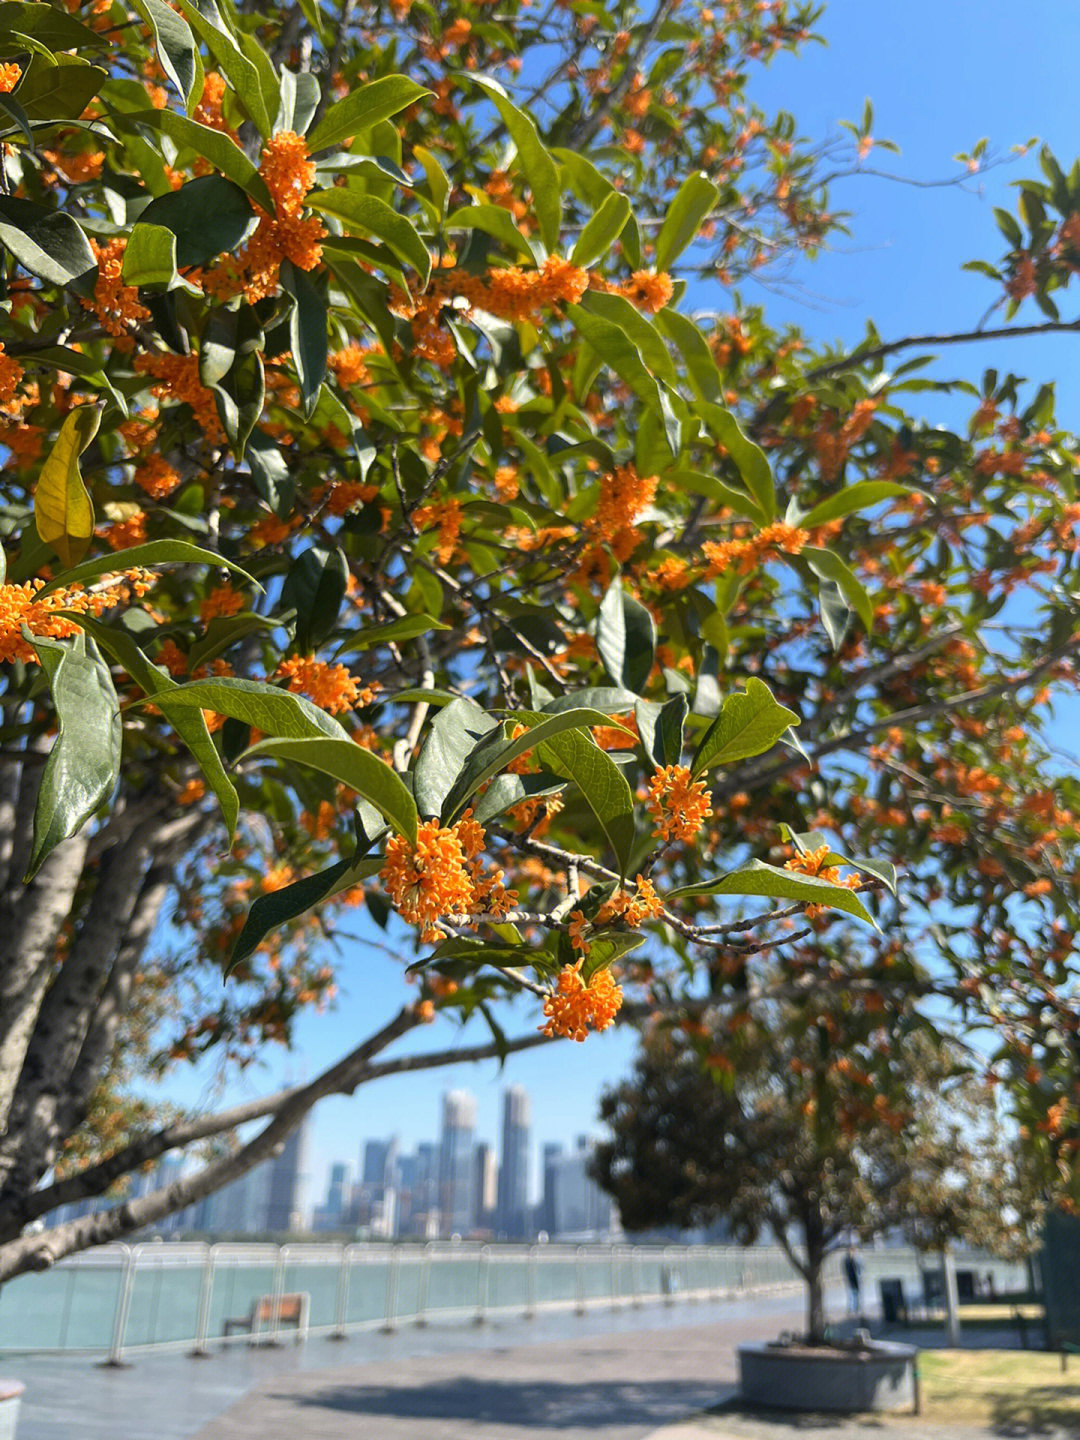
800 1123
316 308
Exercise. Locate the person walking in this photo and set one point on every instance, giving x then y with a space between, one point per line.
853 1278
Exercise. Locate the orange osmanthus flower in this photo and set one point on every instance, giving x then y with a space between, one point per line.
115 304
10 74
678 803
49 617
330 686
157 477
577 1006
429 879
11 372
647 290
222 600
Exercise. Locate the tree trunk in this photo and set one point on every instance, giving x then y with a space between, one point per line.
815 1302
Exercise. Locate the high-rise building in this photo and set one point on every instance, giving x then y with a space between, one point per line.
457 1164
285 1175
581 1210
545 1220
332 1214
512 1210
486 1188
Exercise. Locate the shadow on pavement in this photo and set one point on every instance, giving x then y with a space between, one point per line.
550 1405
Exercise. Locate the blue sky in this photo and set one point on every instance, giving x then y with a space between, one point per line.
941 75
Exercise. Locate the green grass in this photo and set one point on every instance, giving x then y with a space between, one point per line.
1016 1391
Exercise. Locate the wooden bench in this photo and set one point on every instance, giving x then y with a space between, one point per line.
269 1314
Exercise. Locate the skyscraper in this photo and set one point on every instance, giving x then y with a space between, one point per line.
512 1210
457 1163
284 1184
581 1210
486 1190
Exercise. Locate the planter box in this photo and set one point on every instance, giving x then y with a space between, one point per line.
806 1378
10 1395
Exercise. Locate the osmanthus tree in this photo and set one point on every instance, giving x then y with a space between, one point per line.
785 1139
382 530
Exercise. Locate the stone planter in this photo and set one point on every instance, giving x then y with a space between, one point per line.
803 1377
10 1395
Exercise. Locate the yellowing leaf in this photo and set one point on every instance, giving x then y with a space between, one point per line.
63 510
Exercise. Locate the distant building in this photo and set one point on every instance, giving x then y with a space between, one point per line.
457 1164
545 1219
283 1182
332 1214
512 1210
486 1187
580 1210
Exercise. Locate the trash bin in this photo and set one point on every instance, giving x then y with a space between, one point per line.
893 1308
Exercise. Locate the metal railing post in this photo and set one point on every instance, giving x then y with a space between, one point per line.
483 1280
115 1357
277 1291
614 1279
579 1278
389 1325
202 1314
65 1314
341 1300
635 1277
530 1281
424 1288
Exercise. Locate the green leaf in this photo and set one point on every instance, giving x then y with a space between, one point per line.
661 728
695 198
190 725
535 162
53 28
702 370
154 552
363 108
619 352
307 332
493 753
625 638
835 612
452 736
828 566
749 459
222 152
749 723
375 217
315 585
209 216
602 230
63 509
150 256
506 791
243 76
811 840
15 112
495 221
698 483
224 631
602 784
852 498
350 764
300 94
646 337
757 878
84 763
47 243
408 627
59 91
240 395
268 708
271 912
438 182
175 45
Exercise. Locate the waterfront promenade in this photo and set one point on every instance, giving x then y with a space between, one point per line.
611 1375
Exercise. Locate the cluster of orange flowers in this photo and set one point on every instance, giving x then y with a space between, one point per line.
178 379
222 600
330 686
632 908
288 235
156 476
624 497
49 617
678 803
11 373
350 365
747 555
577 1006
832 445
447 515
115 304
815 863
434 877
10 74
649 290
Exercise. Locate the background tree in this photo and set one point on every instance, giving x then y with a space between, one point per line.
800 1126
309 304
